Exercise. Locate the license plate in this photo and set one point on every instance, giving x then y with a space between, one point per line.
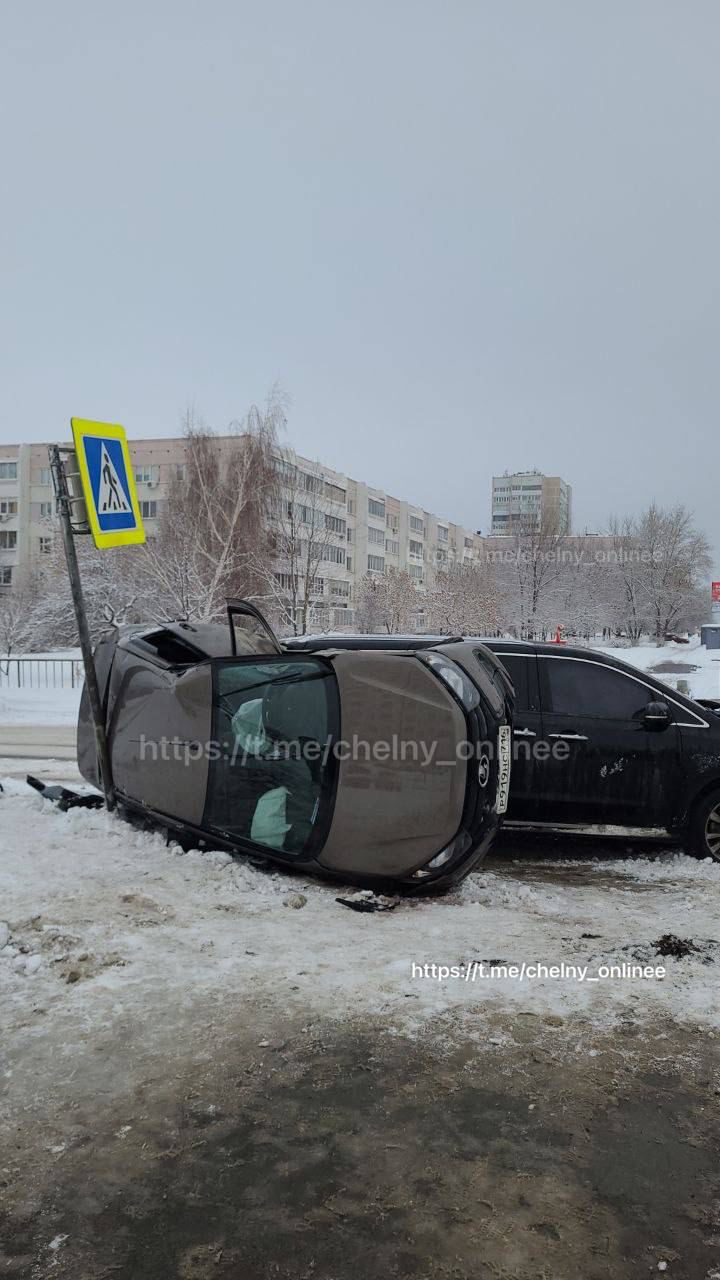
504 761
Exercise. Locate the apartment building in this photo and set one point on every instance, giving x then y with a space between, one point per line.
366 529
526 499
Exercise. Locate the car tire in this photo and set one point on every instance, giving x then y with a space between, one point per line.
704 830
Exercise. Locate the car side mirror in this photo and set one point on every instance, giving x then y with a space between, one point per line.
657 716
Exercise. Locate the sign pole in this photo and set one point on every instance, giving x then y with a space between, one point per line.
64 504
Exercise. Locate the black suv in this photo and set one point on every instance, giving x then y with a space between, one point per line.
607 744
597 742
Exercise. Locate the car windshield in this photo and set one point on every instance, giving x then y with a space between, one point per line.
270 774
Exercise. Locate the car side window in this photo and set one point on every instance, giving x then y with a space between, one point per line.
521 670
579 688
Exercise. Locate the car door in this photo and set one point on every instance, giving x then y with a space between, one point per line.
603 764
521 666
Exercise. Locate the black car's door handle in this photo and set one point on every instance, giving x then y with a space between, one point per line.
569 737
524 733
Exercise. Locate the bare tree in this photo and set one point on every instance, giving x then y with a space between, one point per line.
661 560
627 580
308 541
214 530
388 602
529 570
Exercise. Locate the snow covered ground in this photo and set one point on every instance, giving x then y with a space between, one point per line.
208 1071
704 682
39 706
140 923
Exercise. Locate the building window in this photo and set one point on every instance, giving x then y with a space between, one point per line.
147 474
350 535
45 510
311 484
443 532
416 548
335 493
335 524
416 524
336 554
285 580
348 564
377 536
468 542
177 471
148 510
8 539
376 508
351 507
5 575
318 586
8 470
8 506
416 572
392 547
45 476
442 556
45 546
341 589
376 564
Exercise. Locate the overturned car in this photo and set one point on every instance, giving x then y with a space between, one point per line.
383 767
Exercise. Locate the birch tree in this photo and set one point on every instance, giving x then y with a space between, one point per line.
214 529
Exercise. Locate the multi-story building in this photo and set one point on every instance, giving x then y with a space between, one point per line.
365 529
527 499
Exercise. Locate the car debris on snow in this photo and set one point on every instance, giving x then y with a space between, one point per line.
366 900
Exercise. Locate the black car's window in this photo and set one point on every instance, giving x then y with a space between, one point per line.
271 779
521 670
579 688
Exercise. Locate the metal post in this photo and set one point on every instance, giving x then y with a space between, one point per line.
64 511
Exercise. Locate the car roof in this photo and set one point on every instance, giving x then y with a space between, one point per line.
360 640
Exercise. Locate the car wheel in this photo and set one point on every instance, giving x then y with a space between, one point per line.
704 833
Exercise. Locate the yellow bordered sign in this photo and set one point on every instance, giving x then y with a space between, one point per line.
108 483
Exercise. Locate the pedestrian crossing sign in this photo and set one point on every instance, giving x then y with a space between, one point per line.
108 483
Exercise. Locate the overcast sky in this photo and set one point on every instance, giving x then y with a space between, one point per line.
465 235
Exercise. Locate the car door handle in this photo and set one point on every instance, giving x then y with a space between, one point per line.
569 737
524 733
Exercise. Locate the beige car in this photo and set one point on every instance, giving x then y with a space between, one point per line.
386 764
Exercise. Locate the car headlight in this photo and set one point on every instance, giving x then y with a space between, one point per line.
455 679
455 849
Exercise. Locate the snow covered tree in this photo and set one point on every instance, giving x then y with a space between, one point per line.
528 572
660 564
214 527
464 600
388 602
16 606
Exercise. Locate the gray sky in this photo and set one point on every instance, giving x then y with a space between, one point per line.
466 236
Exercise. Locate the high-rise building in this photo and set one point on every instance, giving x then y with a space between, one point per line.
526 500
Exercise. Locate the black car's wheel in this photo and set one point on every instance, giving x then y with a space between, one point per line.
704 841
